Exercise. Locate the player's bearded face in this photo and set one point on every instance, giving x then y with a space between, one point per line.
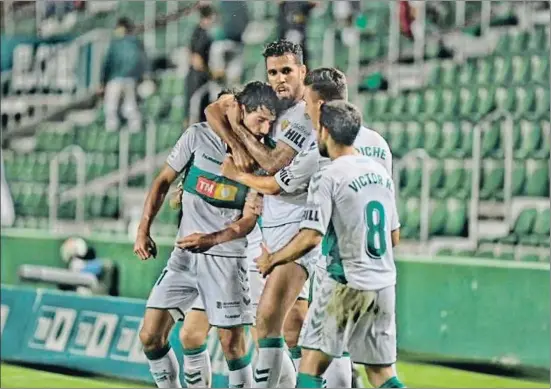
322 134
258 122
286 77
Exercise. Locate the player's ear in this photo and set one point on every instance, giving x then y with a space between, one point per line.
303 71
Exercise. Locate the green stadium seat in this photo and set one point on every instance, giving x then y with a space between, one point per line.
537 178
466 149
542 101
451 140
491 137
450 103
542 227
412 222
433 138
523 226
468 72
518 179
528 137
411 179
93 206
543 151
414 103
438 215
539 68
456 182
500 71
415 135
520 69
449 74
437 177
111 203
432 101
537 40
137 143
397 139
493 176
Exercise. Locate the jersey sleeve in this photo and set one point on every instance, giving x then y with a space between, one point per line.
182 152
297 134
298 173
319 206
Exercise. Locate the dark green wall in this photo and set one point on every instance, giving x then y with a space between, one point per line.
458 308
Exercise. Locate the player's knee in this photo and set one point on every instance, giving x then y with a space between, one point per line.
264 324
378 375
152 340
232 342
193 337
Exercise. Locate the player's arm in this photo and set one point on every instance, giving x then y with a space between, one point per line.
268 159
199 243
266 185
313 227
176 163
395 222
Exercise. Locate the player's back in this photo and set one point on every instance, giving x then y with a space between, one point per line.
363 217
371 144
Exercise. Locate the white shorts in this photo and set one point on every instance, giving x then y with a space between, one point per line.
277 237
369 334
222 283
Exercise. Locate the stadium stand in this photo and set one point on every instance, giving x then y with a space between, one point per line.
469 126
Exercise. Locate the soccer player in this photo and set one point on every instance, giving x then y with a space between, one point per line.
209 258
322 85
352 202
279 312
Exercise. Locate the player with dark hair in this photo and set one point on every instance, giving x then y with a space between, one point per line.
276 323
209 260
352 205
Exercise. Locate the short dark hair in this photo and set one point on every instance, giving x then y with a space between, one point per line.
258 94
205 11
342 119
328 83
126 23
281 47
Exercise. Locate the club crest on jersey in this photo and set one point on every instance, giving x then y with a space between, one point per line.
285 124
215 190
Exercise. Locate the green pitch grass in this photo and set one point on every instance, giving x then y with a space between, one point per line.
414 375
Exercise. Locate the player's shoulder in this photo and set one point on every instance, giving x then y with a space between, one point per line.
374 136
296 116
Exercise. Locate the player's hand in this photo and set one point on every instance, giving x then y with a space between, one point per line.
145 247
229 170
254 203
233 113
264 262
242 159
176 197
196 242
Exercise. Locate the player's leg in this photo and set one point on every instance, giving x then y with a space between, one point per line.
224 288
280 294
313 367
288 374
193 335
160 356
292 326
171 296
377 352
339 372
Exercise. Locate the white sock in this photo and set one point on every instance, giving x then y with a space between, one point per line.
288 377
164 367
339 373
241 372
197 369
270 359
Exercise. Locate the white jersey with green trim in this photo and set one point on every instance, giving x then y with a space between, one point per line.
295 129
210 202
352 202
296 176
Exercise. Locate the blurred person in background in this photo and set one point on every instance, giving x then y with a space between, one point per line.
200 46
226 60
292 20
124 66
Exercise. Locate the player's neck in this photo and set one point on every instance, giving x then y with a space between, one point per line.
341 151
